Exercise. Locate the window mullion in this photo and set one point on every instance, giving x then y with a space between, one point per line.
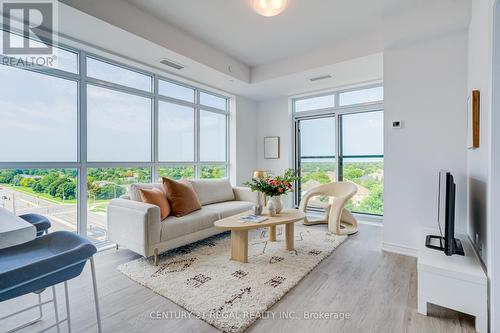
197 136
338 147
155 132
82 145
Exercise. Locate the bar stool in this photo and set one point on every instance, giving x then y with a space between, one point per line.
41 223
44 262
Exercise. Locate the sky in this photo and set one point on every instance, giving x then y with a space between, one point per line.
362 135
34 125
38 121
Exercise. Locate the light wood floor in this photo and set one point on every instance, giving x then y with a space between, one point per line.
377 290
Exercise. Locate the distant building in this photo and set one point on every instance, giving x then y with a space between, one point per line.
101 183
31 176
362 193
377 175
310 184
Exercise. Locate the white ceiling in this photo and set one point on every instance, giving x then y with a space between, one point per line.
234 28
225 45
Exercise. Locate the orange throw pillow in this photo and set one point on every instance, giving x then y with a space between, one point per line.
182 197
156 197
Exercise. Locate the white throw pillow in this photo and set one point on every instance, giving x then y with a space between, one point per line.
134 190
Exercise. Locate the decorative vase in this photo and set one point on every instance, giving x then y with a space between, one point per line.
276 203
257 209
271 209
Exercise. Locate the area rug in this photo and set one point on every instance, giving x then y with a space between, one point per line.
227 294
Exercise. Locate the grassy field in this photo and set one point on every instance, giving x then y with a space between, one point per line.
45 196
100 205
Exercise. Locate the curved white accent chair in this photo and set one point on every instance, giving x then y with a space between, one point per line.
340 221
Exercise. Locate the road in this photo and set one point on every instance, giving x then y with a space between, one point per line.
62 216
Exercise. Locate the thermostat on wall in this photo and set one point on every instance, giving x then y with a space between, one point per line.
397 124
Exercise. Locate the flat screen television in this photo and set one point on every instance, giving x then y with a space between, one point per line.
446 216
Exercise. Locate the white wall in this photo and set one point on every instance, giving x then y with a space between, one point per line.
243 140
483 177
480 51
494 216
425 87
274 119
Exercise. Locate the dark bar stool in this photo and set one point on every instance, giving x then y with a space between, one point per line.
44 262
41 223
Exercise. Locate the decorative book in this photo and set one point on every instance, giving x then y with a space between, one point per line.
252 218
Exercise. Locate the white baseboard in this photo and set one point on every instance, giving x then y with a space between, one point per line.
371 223
399 249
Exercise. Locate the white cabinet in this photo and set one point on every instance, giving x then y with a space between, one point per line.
455 282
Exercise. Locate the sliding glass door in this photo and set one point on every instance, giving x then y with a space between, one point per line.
361 159
316 154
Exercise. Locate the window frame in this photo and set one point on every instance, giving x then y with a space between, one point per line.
337 112
82 164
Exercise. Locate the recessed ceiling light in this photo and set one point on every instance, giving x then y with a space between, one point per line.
269 7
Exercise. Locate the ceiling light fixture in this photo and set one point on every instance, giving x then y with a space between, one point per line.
269 7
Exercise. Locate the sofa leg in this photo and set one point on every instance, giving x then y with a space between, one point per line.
156 257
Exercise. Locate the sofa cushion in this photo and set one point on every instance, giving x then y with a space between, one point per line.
182 197
213 190
158 198
173 227
134 190
229 208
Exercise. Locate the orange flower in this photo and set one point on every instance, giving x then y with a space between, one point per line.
280 190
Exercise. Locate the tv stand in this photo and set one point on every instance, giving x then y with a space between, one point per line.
454 282
458 249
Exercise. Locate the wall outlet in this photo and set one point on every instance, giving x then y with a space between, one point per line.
397 124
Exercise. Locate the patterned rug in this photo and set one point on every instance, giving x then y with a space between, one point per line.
227 294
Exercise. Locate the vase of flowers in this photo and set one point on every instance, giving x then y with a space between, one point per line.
274 205
274 187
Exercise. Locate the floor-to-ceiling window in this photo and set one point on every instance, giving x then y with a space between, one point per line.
74 136
339 136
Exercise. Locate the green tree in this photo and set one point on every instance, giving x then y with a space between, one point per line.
27 182
212 172
16 180
6 176
66 190
374 202
52 188
353 173
37 187
177 172
108 191
319 176
47 180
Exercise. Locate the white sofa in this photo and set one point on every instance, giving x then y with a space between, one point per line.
137 225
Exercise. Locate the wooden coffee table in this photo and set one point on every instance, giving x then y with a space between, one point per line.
239 230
